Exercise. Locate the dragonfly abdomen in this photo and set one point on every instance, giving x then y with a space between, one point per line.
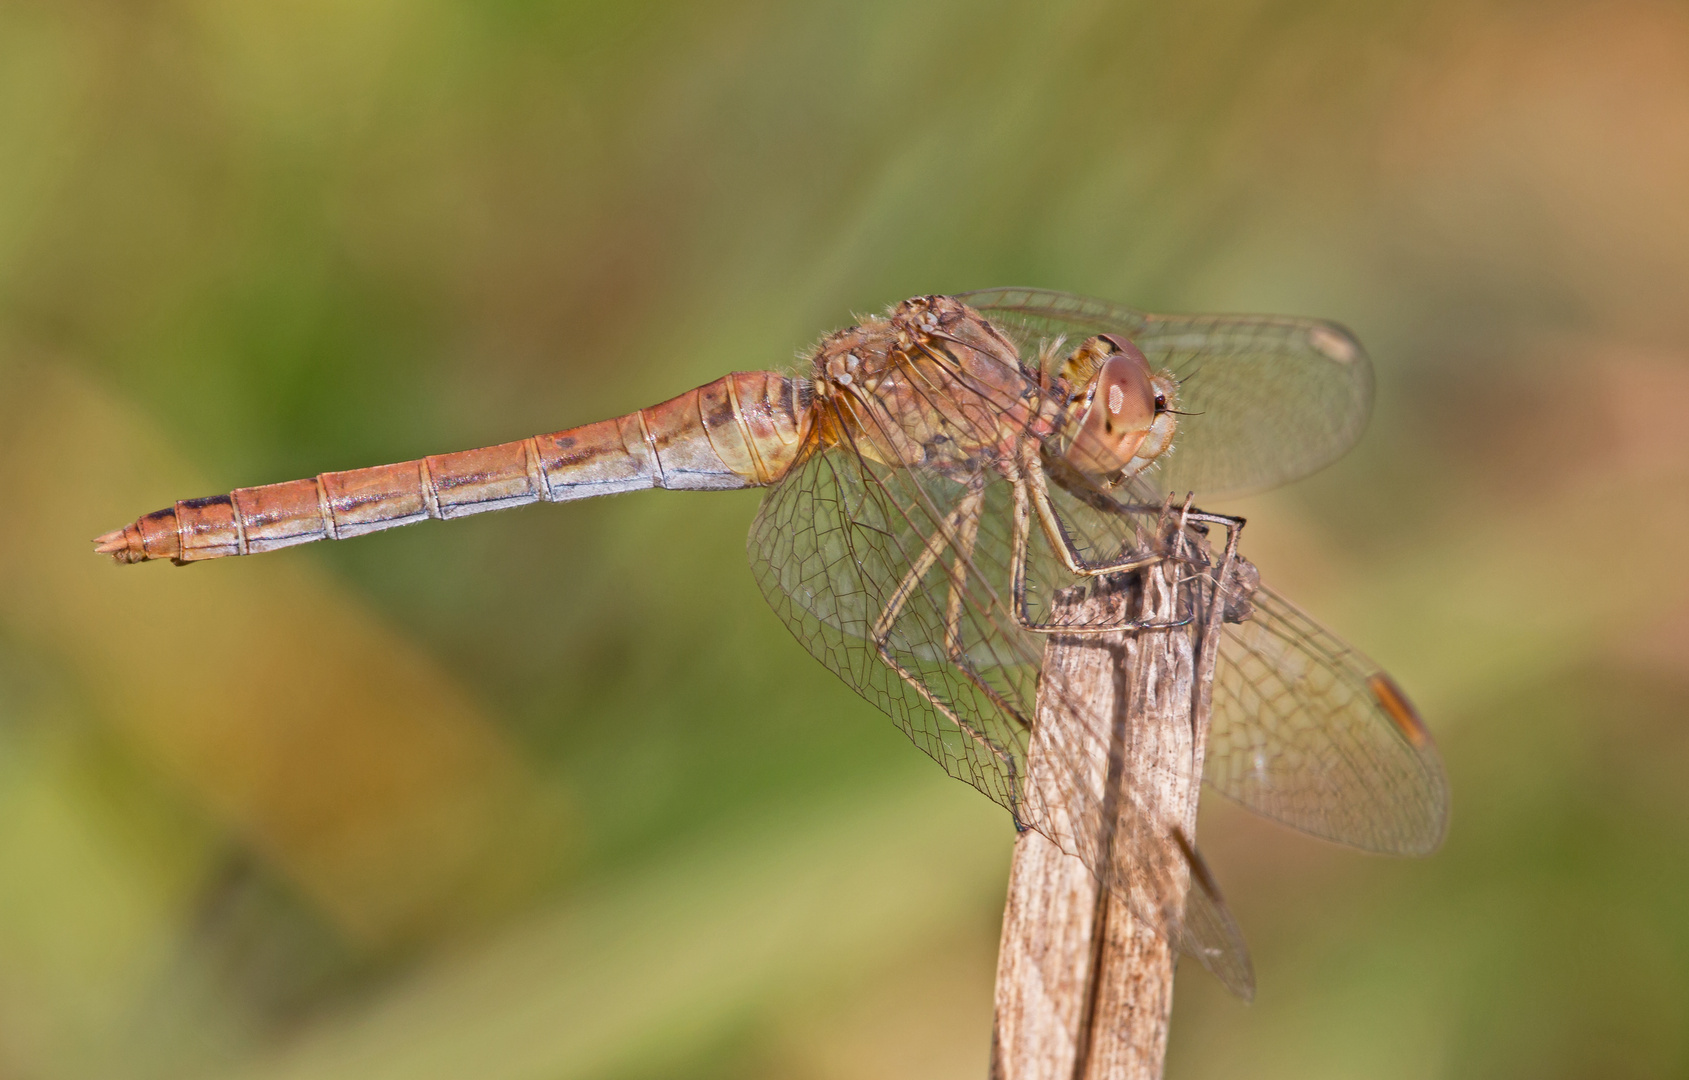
742 430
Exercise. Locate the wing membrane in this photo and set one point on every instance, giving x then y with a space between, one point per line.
1271 398
839 540
1302 735
1307 730
898 579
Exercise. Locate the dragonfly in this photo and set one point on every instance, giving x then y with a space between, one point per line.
941 479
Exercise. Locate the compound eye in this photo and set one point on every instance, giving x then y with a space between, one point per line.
1119 410
1128 397
1160 403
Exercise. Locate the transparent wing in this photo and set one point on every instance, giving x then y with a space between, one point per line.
1309 732
1305 730
1271 398
881 575
831 545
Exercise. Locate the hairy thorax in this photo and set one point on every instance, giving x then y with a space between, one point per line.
933 384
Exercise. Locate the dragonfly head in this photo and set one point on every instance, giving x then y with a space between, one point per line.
1124 418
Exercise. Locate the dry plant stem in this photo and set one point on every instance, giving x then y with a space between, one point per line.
1084 989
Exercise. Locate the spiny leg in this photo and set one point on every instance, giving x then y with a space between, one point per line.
1191 520
1028 485
930 551
1032 473
934 546
967 533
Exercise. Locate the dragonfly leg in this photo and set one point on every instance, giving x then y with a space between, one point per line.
1032 475
966 516
1195 520
1026 493
966 533
934 546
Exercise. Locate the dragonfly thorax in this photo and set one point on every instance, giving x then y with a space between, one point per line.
932 384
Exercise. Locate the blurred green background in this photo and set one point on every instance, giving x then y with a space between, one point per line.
551 794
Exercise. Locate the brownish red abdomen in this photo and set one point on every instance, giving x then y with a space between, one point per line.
743 430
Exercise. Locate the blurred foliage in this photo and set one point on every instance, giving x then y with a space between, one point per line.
550 794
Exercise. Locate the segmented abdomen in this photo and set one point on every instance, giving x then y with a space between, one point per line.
743 430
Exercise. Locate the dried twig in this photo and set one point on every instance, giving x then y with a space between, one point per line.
1084 989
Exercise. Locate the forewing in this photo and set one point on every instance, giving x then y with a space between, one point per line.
832 547
1309 732
1269 398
